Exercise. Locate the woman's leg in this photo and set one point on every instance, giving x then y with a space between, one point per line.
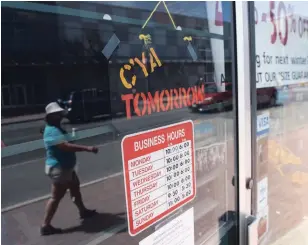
57 192
74 188
76 197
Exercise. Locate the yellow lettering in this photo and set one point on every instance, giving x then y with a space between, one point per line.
156 57
153 64
142 65
144 69
187 38
123 79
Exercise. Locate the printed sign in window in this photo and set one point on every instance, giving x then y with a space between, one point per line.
179 231
159 173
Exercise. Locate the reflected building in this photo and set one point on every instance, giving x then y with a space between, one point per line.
53 48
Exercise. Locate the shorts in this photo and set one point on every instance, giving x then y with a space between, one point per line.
59 175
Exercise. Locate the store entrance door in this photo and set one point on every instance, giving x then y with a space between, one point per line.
180 77
174 151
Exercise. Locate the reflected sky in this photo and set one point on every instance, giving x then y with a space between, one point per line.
196 9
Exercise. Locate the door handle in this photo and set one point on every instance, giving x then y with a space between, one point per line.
249 183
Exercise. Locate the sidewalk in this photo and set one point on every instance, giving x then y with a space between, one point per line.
20 119
21 226
287 190
297 236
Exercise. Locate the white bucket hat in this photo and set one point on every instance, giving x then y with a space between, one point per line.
53 107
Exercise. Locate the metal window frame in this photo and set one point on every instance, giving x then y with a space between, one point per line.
244 112
253 91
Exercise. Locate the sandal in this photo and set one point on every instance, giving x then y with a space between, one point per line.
49 230
88 213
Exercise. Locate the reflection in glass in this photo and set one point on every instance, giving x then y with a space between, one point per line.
117 68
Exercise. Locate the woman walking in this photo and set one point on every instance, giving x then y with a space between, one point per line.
60 164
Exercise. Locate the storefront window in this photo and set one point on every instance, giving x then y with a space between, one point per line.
281 31
150 85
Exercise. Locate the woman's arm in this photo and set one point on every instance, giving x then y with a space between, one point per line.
56 137
66 146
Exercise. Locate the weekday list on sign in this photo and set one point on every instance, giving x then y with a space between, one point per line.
159 173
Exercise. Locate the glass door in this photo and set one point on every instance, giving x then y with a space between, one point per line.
169 148
279 58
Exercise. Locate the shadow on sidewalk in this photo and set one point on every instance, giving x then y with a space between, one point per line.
98 223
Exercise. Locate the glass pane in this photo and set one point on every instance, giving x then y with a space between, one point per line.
5 96
149 84
19 95
281 120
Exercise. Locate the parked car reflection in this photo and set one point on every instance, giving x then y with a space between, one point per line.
219 101
213 99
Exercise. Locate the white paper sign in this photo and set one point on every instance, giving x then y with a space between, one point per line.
263 223
262 194
281 43
179 231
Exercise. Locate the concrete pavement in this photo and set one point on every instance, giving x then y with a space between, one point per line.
21 225
297 236
21 119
